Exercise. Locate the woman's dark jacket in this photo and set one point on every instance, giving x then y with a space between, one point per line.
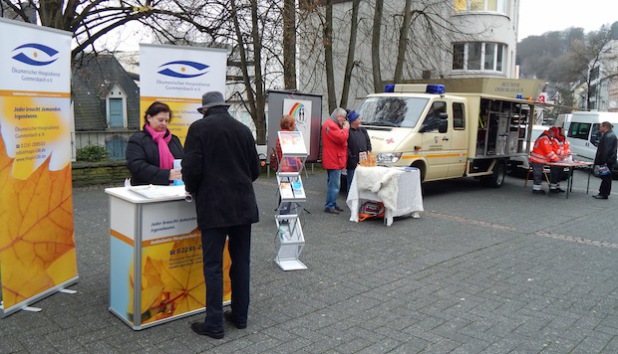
606 151
219 167
358 141
143 159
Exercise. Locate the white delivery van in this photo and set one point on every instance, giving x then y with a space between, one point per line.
447 136
583 133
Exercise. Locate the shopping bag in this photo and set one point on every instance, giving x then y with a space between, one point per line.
273 161
601 170
371 210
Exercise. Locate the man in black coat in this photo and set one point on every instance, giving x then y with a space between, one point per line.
218 169
606 154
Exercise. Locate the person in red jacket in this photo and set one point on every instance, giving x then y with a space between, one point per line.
542 153
563 147
335 131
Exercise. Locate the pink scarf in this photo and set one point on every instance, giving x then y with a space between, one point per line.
166 159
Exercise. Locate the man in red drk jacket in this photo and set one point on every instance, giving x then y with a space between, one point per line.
335 133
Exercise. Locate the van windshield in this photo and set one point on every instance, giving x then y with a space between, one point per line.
402 112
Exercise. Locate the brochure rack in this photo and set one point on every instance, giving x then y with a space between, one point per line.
292 193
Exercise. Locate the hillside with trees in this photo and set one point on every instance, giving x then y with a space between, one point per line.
566 59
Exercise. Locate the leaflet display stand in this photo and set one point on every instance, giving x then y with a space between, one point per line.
292 193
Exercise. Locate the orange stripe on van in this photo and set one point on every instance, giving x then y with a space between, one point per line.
432 156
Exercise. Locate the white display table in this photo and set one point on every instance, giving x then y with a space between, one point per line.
398 188
160 236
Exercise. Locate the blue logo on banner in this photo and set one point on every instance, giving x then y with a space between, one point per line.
32 57
183 69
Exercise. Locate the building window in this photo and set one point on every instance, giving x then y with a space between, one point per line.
478 56
116 113
481 5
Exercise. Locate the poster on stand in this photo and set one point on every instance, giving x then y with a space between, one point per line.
37 241
301 111
306 110
179 76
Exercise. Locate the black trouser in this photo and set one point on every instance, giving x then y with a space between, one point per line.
213 243
606 182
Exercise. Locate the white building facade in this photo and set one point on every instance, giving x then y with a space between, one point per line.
447 39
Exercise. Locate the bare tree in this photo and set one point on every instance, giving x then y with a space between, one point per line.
89 21
328 57
403 40
349 66
375 46
289 44
589 57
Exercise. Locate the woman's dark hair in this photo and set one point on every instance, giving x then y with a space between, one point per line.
155 108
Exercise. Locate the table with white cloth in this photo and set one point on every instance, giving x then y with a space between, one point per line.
399 188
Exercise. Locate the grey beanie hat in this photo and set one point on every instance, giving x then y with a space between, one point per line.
212 99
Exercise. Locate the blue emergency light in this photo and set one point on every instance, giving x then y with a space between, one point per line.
389 88
436 89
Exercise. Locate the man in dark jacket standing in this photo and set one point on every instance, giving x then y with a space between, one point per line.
358 143
218 169
606 154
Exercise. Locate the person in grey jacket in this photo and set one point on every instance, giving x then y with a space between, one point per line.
606 154
219 167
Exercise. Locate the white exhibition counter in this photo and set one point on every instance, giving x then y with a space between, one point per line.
398 188
156 272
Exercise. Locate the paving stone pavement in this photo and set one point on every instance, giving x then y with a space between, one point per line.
482 271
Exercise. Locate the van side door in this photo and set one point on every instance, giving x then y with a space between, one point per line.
436 141
459 139
580 136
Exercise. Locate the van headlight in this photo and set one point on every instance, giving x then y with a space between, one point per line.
388 157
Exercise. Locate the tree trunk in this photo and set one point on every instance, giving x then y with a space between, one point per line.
375 46
50 13
328 57
351 49
245 72
289 44
260 99
403 41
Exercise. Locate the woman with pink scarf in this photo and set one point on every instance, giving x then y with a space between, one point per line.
151 152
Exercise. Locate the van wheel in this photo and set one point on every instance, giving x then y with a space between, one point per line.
497 178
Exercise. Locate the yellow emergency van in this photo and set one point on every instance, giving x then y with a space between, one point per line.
447 135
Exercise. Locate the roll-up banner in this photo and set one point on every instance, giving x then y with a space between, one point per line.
179 76
37 243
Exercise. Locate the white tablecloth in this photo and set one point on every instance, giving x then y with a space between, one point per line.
404 194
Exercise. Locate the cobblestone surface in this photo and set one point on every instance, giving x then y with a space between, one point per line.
482 271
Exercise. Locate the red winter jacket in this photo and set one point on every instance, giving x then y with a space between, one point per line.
334 145
543 151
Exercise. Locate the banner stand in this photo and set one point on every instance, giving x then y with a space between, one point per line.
36 204
24 304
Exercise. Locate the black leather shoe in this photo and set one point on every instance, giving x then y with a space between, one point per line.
230 318
338 208
598 196
200 328
538 192
331 211
556 190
